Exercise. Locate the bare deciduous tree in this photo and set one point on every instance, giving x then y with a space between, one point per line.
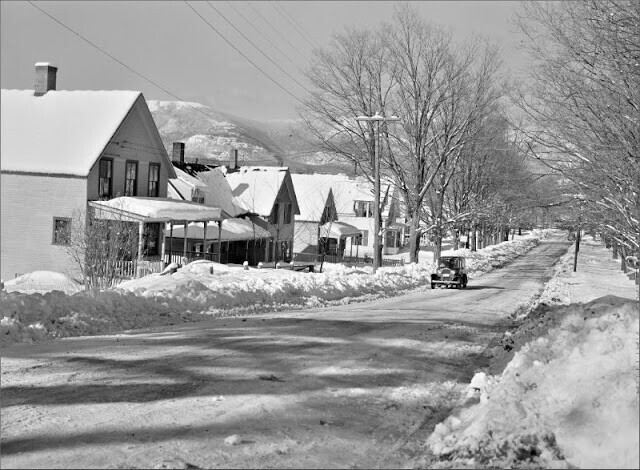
583 106
99 248
412 69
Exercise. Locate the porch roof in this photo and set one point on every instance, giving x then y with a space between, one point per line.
232 230
155 209
338 230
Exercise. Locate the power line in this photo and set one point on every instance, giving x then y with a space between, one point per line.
131 69
265 37
293 22
242 54
103 51
115 59
257 48
277 32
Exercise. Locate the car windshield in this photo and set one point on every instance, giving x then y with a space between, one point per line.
451 263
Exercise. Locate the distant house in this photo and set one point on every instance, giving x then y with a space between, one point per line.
234 240
317 228
268 195
63 151
354 202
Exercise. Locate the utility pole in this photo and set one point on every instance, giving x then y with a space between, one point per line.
377 229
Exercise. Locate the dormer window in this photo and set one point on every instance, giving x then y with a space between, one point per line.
363 208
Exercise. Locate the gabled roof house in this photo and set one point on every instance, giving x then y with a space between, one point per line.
268 196
61 151
234 240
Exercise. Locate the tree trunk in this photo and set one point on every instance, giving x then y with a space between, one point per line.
474 240
414 238
437 250
456 239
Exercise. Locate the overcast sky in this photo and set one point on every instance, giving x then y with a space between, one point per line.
170 45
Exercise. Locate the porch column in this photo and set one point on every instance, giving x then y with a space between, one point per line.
140 247
219 241
164 245
184 245
204 241
170 242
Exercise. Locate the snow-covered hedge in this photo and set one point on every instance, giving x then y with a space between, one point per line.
202 289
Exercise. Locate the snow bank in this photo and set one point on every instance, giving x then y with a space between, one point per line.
568 398
41 282
206 288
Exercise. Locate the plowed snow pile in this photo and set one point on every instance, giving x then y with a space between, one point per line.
568 398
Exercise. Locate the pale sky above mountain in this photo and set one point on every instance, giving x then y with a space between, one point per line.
170 45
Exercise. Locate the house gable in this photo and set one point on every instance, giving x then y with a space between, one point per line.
136 141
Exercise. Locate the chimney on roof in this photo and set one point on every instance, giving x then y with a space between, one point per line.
45 78
233 159
177 156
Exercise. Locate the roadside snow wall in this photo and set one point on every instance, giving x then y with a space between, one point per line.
204 289
568 398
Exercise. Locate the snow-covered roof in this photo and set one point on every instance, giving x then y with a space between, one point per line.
312 192
218 192
60 132
188 179
256 187
310 189
155 209
232 230
338 230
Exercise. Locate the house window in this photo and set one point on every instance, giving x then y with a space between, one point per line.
361 239
131 179
288 210
363 208
197 197
61 231
392 239
105 182
153 189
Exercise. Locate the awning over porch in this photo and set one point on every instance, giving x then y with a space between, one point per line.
232 230
338 230
155 209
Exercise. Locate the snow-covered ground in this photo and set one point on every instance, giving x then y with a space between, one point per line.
204 288
568 396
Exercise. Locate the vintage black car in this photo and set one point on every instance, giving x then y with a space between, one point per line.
451 272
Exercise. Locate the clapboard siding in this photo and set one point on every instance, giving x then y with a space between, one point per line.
28 205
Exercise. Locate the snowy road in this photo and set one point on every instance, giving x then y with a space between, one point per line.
355 386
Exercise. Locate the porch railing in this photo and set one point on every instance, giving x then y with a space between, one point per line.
129 269
175 256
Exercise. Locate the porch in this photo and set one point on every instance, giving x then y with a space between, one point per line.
154 212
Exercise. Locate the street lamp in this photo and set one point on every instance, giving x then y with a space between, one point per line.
377 119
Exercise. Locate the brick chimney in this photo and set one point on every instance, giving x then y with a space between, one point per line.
233 159
45 78
178 153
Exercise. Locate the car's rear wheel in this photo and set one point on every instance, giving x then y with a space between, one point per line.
433 286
